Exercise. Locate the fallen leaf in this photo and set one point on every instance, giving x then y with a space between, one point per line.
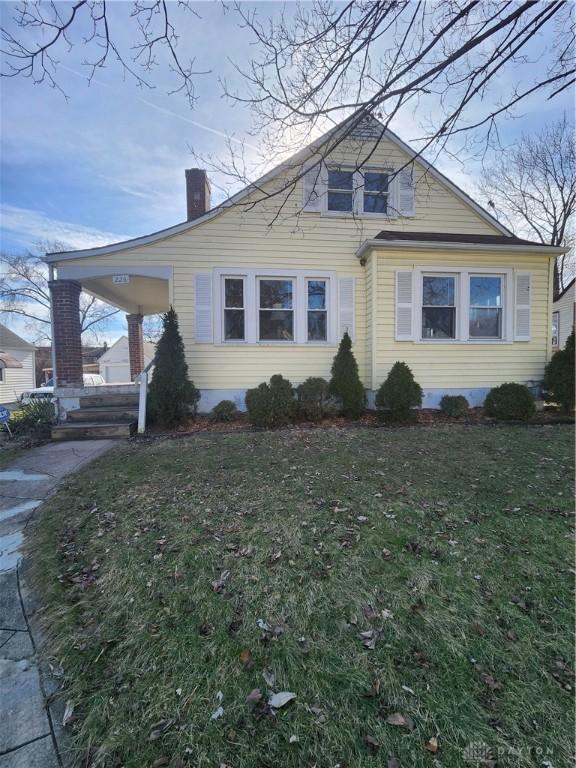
254 697
161 727
246 658
68 713
279 700
372 744
478 629
219 712
392 762
263 625
369 612
293 739
269 678
374 689
160 762
403 721
490 681
220 583
510 635
386 554
431 745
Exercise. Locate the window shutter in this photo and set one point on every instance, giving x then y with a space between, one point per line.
522 290
314 183
346 289
203 307
406 192
404 301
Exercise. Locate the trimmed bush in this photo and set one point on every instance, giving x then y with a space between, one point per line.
345 383
35 416
172 397
271 405
510 402
225 410
314 399
454 405
399 394
559 384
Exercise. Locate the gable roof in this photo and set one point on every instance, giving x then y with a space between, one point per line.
365 127
149 348
565 290
11 340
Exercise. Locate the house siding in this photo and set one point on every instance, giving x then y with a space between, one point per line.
566 306
263 237
18 380
462 366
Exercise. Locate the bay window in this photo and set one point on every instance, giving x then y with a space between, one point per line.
485 307
276 310
439 307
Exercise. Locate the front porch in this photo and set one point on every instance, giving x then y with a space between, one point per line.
107 410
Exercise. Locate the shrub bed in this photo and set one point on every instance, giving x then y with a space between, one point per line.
455 406
510 402
399 394
271 405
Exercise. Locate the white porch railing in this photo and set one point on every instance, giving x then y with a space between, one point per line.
142 380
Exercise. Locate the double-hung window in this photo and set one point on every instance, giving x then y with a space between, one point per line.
234 313
376 192
317 310
276 309
439 306
340 190
485 307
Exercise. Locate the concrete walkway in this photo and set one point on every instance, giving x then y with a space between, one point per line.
30 726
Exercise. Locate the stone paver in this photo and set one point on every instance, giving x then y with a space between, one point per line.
27 732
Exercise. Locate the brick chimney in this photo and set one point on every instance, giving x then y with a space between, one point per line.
197 193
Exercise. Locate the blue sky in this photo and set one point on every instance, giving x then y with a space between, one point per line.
108 162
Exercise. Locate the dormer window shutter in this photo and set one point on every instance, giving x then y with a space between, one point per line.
346 290
203 308
522 291
404 304
314 188
406 191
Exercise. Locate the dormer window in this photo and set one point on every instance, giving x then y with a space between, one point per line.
340 190
376 192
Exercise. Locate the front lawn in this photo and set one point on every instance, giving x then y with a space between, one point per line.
412 588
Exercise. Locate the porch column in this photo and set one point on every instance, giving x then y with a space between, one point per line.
67 336
135 344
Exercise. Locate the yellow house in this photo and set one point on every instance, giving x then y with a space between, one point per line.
354 233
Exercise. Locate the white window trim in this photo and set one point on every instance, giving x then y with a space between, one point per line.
223 306
463 304
251 305
358 194
557 313
327 302
292 309
457 303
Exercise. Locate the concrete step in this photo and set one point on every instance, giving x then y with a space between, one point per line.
104 414
84 430
129 400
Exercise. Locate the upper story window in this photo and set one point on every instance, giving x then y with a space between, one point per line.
439 307
276 310
485 314
340 190
376 192
234 317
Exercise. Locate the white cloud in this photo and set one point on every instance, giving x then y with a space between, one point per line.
34 227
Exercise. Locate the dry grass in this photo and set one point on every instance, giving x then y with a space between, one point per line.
471 611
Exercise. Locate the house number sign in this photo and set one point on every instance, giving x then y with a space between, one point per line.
120 279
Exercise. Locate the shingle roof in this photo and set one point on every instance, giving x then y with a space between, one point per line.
10 340
451 237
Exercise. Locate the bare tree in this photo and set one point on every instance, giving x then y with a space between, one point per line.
317 63
531 186
39 34
24 293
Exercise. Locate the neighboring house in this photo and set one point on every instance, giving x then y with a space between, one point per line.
564 315
115 362
16 365
394 253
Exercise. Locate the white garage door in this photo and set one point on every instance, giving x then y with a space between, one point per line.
117 374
